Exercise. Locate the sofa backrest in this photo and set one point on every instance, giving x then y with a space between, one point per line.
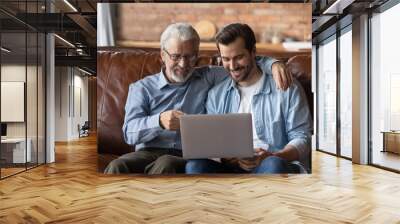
118 68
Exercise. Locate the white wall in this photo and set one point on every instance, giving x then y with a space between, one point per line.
13 73
16 73
71 93
61 103
33 126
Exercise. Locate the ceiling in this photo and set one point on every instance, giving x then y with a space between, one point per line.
72 20
76 23
331 15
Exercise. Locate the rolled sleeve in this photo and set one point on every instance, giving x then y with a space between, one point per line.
302 147
154 121
299 123
142 129
266 63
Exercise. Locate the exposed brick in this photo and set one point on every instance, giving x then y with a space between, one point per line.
146 21
230 11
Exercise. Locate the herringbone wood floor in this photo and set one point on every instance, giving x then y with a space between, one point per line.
72 191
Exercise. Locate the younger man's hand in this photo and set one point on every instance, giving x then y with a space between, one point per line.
249 164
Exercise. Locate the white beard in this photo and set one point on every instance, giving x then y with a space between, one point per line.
180 79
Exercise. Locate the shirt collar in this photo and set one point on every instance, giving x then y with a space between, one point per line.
162 81
232 85
265 88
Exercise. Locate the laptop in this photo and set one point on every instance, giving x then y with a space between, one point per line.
216 136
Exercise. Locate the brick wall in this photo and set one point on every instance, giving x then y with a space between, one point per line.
146 21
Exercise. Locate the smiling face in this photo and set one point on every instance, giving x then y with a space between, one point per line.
239 61
179 58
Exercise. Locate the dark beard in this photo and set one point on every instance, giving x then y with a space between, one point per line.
246 75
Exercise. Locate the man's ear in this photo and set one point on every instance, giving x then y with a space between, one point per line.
254 51
162 55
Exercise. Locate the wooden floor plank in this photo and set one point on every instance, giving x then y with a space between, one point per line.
72 191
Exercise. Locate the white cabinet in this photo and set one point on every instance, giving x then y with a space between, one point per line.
15 148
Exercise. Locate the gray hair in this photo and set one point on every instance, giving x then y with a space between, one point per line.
180 31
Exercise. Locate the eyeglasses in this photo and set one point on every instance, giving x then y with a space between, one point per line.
177 57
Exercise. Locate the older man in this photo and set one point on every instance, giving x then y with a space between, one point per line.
155 103
281 119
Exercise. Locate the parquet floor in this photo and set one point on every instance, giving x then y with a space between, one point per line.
9 171
386 159
72 191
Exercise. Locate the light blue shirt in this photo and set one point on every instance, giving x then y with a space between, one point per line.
149 97
280 117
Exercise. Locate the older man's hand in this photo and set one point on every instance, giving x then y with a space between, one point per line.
170 119
283 78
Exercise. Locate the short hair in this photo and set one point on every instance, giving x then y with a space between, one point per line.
180 31
231 32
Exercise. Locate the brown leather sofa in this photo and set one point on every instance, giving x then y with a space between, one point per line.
117 68
300 67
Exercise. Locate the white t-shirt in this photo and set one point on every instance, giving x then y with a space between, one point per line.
245 106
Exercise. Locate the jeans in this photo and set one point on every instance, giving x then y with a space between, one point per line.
270 165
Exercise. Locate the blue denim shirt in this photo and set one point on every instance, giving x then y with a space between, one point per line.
280 117
149 97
